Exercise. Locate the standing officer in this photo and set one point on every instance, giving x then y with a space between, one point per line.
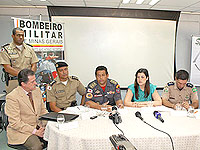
61 93
15 57
180 92
103 91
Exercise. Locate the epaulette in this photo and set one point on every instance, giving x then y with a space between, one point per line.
29 44
3 47
189 85
170 83
92 85
52 83
75 78
113 82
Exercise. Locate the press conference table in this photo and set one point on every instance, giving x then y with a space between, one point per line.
94 134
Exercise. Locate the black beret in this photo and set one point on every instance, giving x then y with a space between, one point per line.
61 64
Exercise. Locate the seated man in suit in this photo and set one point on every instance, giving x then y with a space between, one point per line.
103 92
180 92
24 105
61 93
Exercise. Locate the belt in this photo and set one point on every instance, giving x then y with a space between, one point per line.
13 78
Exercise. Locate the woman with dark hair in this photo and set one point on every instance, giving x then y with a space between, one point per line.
142 92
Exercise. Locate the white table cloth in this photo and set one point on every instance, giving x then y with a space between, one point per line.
94 134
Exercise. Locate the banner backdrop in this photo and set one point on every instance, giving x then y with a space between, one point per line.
47 39
43 36
195 61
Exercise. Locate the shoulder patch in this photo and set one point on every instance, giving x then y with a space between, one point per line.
113 82
166 89
75 78
170 83
194 89
89 95
92 85
29 44
52 83
189 85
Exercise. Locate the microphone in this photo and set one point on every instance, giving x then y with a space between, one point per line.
157 115
115 116
138 114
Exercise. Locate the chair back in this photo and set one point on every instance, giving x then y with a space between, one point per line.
4 116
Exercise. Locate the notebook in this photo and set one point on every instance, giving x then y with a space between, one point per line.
52 116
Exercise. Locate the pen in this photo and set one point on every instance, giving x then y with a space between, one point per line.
195 112
78 108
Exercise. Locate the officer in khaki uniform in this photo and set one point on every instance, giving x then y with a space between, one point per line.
17 56
180 92
61 93
103 91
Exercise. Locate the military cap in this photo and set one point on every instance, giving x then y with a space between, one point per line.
61 64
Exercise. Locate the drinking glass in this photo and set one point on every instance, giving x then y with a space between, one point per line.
60 119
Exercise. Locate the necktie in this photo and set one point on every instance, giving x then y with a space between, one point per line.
31 99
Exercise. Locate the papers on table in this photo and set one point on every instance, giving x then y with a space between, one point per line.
68 126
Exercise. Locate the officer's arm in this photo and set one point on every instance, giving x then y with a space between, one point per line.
119 103
10 69
93 105
83 100
195 104
167 103
54 107
34 67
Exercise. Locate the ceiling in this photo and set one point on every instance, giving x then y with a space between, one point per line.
179 5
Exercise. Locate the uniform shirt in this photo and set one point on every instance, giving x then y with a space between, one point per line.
141 95
174 95
18 59
62 94
96 94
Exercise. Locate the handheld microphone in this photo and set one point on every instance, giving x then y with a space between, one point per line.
157 115
138 114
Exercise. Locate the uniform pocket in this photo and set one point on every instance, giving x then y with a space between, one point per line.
60 93
28 58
